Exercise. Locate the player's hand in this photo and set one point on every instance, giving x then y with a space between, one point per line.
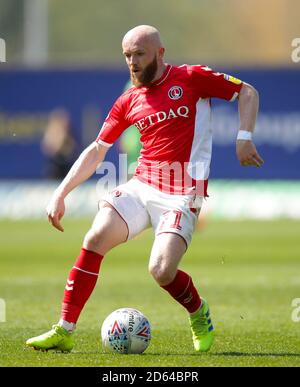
55 211
247 153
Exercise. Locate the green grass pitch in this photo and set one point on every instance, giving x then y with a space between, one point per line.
248 271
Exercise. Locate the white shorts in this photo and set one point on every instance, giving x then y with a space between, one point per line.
141 205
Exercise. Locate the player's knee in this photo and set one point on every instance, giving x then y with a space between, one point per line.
105 232
92 240
162 274
98 240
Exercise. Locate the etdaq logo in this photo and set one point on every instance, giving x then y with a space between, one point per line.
143 123
2 50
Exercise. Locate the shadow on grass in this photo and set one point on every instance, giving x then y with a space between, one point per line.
256 354
194 355
208 354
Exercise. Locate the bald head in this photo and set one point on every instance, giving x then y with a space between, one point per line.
143 50
143 34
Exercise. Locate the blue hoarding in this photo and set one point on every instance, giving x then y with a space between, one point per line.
27 97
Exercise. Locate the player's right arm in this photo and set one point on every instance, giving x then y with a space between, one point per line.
87 163
82 169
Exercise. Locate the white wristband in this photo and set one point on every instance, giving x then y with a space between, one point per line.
244 135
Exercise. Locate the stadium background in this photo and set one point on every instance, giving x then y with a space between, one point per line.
71 59
67 55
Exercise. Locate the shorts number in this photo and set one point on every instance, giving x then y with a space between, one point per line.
174 217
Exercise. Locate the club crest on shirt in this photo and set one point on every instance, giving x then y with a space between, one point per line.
175 92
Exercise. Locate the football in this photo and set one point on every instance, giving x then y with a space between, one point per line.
125 331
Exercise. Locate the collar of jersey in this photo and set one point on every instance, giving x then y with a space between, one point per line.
161 79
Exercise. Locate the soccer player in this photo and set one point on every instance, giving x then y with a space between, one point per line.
170 106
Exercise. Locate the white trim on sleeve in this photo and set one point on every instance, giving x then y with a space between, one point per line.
104 143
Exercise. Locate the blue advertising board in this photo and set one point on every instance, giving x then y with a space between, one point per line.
27 97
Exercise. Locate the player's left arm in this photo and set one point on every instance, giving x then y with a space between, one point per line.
248 102
212 84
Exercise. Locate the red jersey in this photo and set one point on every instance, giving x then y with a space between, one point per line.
173 117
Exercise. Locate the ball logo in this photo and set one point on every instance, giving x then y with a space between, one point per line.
144 332
116 328
175 92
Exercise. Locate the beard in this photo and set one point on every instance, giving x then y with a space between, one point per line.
146 76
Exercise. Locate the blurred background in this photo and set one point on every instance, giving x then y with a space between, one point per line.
61 69
64 68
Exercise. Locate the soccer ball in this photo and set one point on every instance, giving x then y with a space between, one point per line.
126 330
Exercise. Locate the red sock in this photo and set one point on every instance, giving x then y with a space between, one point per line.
80 284
183 290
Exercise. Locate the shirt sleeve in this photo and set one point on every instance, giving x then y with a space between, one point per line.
114 125
212 84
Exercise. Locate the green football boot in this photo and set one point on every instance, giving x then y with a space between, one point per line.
202 328
57 338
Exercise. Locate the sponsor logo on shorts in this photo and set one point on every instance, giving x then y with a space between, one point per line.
117 193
